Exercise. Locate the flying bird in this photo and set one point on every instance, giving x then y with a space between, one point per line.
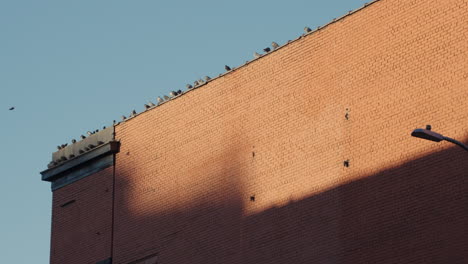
274 45
227 68
189 86
307 29
256 55
266 49
11 108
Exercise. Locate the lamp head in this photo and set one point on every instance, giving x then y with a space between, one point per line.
427 134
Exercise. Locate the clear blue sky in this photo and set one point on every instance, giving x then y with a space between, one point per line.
73 66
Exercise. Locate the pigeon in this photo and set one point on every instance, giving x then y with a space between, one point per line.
59 147
123 118
200 81
147 106
114 122
71 156
189 86
100 142
86 149
89 133
134 113
64 145
160 100
166 97
82 137
266 49
274 45
11 108
179 91
73 141
256 55
91 146
97 130
428 127
173 94
104 127
81 151
51 164
207 78
151 104
227 68
307 30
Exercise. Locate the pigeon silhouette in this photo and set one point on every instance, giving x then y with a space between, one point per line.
11 108
227 68
307 29
256 55
274 45
266 49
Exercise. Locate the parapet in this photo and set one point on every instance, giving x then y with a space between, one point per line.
82 158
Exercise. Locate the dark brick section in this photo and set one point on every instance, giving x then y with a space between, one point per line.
82 230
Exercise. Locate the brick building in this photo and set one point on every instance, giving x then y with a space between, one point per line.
303 155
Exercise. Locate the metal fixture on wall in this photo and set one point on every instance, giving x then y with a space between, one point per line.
436 137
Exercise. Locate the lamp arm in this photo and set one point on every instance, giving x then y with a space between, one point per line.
456 142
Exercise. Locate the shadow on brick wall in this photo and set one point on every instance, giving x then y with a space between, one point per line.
413 213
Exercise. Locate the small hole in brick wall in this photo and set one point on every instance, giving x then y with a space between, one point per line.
128 153
68 203
253 154
98 233
346 163
347 114
252 198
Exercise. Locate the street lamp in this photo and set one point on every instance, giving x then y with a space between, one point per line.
433 136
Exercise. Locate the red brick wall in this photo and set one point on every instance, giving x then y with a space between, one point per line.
82 230
249 168
275 131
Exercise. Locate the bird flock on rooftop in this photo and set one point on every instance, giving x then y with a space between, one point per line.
174 94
